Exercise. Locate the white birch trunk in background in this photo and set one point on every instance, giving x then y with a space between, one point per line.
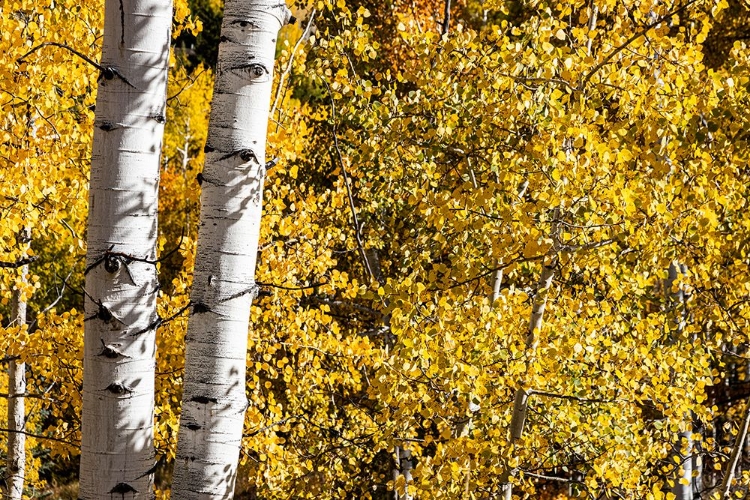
405 466
117 450
214 400
16 463
684 448
521 400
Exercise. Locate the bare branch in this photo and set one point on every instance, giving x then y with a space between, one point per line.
347 182
446 17
630 40
19 262
108 72
39 436
288 69
726 484
578 399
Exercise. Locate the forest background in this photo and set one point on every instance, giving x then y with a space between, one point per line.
473 201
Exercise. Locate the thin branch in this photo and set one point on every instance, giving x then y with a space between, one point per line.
62 46
549 478
191 82
630 40
533 392
5 395
446 17
54 302
493 270
163 321
726 484
347 182
39 436
19 262
282 287
288 69
108 72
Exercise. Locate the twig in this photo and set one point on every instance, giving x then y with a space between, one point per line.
19 262
5 395
54 302
726 484
282 287
446 17
357 227
191 82
39 436
630 40
533 392
108 72
549 478
163 321
288 68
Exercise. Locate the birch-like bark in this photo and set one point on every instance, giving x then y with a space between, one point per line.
16 463
683 480
405 467
214 400
521 400
117 450
726 483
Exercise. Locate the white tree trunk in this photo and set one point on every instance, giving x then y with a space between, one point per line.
684 448
117 451
214 400
734 459
16 464
520 403
405 466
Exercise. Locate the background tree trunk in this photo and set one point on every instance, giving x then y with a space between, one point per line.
16 464
684 448
117 451
214 400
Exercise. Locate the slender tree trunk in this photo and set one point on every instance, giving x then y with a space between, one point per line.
684 448
726 483
117 450
214 400
405 466
16 464
521 400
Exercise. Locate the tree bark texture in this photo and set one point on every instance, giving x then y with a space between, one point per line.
684 448
16 464
731 470
521 400
117 451
214 400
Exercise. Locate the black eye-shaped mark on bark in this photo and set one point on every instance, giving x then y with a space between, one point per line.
204 400
200 308
122 489
103 313
254 72
108 126
244 154
111 351
119 388
244 23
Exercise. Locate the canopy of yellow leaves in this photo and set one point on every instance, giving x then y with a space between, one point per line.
415 164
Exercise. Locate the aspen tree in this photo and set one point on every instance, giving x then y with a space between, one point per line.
117 450
683 478
214 400
16 462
